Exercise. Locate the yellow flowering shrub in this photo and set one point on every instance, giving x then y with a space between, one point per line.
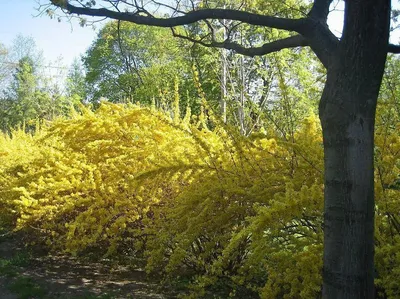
83 190
17 150
387 194
240 217
258 203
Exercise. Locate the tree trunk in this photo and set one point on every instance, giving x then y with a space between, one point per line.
224 63
348 132
347 113
224 93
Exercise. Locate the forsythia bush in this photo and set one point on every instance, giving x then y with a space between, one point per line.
238 216
83 190
253 215
387 193
16 154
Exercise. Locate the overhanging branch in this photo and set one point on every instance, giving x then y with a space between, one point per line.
296 25
313 30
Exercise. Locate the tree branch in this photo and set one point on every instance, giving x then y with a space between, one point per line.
320 10
313 30
394 49
290 42
296 25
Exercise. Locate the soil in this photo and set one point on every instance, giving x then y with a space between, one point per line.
66 277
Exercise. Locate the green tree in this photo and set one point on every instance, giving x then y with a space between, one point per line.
260 88
20 97
126 59
30 98
133 63
355 64
75 82
3 64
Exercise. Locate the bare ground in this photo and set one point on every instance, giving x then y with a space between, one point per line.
66 277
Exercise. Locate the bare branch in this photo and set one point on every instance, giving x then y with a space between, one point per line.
312 29
296 25
290 42
394 49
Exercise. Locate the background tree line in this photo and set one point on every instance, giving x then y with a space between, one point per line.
128 63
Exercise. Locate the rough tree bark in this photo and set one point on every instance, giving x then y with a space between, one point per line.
347 113
355 66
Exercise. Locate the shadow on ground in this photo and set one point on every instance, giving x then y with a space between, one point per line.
67 277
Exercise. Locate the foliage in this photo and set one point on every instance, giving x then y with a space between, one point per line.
27 96
116 177
234 216
3 64
17 152
20 97
352 267
387 182
123 66
75 83
130 63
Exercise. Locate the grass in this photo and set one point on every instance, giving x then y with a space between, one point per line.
26 288
7 269
20 259
22 287
7 266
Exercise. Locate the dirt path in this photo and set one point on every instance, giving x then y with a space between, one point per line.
66 277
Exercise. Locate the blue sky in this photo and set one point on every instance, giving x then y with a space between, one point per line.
55 39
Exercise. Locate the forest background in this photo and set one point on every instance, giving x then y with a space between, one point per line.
204 163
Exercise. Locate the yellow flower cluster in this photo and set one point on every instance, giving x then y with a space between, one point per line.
89 183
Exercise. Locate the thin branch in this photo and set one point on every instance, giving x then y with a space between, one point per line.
313 29
290 42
